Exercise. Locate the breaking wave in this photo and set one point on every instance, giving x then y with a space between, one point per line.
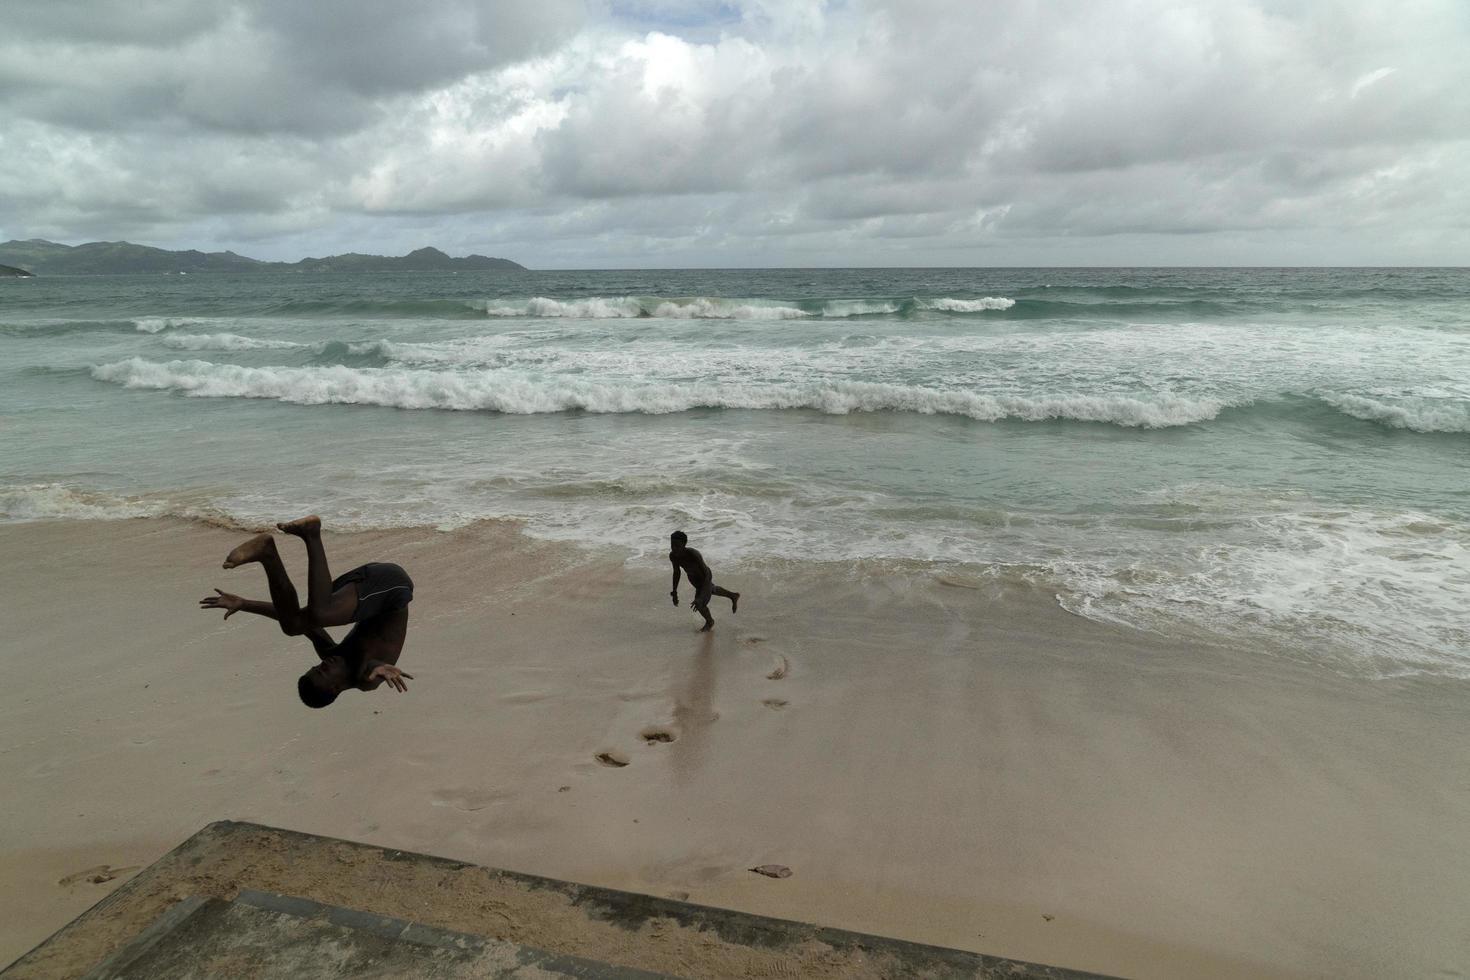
226 342
623 307
966 305
54 501
157 324
1415 413
716 308
520 393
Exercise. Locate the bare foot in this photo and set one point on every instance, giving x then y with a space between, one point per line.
735 602
303 527
253 550
707 627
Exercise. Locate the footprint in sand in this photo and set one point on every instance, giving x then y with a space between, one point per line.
656 734
43 770
775 704
612 759
753 640
98 875
466 800
782 668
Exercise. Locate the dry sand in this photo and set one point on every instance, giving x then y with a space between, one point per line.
941 758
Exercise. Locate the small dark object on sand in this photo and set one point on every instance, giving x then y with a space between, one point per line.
773 871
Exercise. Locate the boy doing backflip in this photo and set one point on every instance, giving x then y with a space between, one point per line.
374 596
681 556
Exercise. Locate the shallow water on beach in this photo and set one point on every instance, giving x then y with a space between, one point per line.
1281 456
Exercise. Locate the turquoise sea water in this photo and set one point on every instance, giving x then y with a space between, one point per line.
1277 455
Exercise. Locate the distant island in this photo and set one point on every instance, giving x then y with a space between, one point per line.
6 270
40 257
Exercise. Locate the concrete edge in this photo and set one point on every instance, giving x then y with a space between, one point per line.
628 910
172 917
401 930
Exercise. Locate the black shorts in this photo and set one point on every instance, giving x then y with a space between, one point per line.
382 587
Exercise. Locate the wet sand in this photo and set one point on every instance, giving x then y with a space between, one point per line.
946 758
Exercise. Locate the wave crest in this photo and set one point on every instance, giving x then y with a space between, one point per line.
226 342
721 308
157 324
525 394
627 307
949 305
1415 413
55 501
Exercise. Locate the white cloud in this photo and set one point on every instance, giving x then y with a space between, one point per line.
1369 79
661 132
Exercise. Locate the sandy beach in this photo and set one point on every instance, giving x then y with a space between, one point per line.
938 755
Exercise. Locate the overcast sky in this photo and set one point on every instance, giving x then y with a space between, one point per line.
588 133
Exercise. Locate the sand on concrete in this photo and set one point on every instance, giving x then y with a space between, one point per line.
946 759
189 913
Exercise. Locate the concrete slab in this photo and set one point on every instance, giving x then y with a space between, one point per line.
260 935
351 886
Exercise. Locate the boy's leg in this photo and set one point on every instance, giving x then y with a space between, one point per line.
734 597
323 606
701 604
262 548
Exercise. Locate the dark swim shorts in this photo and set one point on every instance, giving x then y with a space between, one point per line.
382 587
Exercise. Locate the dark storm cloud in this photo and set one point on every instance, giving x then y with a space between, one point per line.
650 130
257 66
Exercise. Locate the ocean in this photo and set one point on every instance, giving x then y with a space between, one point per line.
1277 457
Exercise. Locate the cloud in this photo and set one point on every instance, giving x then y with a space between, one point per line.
744 132
1369 79
258 66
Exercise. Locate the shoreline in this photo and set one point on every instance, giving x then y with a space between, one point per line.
954 762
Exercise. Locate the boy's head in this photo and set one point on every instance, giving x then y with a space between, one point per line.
678 540
320 685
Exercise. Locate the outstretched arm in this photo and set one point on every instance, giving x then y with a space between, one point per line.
232 604
674 590
320 639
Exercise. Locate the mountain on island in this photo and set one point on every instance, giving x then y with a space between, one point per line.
45 258
10 271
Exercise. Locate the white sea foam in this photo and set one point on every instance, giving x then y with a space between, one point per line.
838 308
55 501
515 392
1417 413
625 307
226 342
949 305
702 308
594 308
1371 586
719 308
157 324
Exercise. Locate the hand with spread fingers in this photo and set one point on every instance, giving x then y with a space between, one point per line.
231 604
391 674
